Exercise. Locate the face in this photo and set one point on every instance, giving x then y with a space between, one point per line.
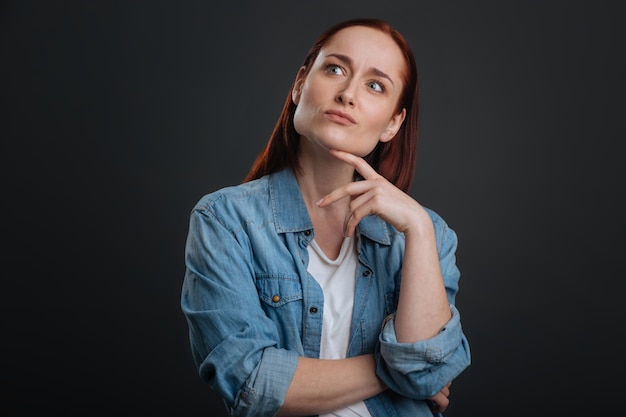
349 99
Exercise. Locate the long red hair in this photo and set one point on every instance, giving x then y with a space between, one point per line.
395 159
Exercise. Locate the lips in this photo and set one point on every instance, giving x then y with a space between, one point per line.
340 117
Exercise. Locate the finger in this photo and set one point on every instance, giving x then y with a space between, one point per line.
354 188
357 163
440 401
434 407
359 208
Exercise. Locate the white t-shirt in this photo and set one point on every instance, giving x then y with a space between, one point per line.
337 277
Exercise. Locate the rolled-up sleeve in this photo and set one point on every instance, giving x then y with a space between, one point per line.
420 370
265 389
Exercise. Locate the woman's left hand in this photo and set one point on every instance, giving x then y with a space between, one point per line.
373 195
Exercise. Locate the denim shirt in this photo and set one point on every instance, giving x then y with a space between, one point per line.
252 308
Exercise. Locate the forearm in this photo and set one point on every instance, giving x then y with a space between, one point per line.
423 307
320 385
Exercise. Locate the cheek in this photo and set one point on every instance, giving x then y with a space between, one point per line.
301 115
304 110
378 118
297 118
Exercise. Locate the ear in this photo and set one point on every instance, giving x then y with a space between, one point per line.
297 86
393 127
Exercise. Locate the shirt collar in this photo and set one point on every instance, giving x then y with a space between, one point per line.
290 213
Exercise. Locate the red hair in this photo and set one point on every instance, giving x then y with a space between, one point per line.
395 159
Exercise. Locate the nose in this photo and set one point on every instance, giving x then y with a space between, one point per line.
346 95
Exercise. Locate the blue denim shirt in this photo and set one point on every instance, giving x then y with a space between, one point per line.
253 309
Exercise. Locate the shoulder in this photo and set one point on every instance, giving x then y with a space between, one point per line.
438 221
235 198
445 235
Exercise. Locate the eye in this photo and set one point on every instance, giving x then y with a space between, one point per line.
334 69
376 86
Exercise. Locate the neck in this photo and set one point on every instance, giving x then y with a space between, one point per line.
321 173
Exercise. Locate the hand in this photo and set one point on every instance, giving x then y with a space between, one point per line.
374 195
440 401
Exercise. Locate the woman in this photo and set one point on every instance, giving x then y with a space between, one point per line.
318 286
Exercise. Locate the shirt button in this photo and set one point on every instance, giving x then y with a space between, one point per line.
313 310
276 298
307 233
366 273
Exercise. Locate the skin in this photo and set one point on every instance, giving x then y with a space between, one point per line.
345 106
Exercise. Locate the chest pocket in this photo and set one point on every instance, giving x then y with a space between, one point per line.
281 298
277 291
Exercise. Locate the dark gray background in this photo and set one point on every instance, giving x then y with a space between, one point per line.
118 115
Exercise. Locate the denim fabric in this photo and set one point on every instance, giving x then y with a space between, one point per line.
252 308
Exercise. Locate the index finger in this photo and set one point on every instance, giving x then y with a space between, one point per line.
357 162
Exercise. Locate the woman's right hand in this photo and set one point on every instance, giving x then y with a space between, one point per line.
440 401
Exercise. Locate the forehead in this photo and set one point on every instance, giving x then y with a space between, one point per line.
367 47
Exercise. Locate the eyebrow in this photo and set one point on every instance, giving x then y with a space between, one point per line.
346 59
